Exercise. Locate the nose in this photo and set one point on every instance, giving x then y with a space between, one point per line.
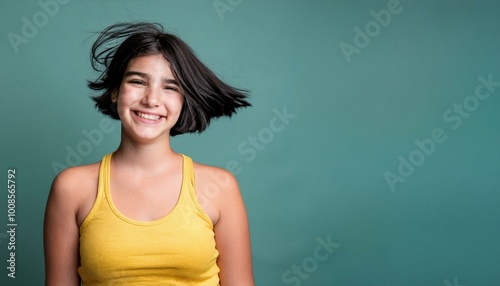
152 96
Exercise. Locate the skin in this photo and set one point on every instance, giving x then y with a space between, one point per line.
146 177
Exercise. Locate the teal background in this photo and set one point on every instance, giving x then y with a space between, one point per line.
323 174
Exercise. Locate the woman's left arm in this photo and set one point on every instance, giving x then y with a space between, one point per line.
232 237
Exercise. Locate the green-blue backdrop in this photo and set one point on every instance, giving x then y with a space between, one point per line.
370 155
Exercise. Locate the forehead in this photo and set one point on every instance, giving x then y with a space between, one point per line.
153 65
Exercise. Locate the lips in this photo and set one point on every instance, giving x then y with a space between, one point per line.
148 116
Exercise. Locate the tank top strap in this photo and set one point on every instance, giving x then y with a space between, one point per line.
102 184
104 180
188 193
187 177
104 173
187 170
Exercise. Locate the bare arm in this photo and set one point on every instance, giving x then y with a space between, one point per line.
61 233
233 238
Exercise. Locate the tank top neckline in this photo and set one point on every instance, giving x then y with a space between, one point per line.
105 176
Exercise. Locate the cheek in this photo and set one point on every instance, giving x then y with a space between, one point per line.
181 104
176 104
122 102
127 96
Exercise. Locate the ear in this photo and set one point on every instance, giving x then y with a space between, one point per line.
114 96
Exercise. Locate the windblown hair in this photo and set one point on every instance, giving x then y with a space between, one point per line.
205 95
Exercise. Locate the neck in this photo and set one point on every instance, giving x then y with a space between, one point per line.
150 158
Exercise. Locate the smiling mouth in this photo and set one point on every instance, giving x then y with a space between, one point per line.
148 116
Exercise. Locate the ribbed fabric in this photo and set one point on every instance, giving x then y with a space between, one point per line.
178 249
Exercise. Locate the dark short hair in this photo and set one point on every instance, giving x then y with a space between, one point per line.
205 95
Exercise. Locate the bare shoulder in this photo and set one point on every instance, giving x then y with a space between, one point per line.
227 210
214 179
72 179
76 174
76 188
215 189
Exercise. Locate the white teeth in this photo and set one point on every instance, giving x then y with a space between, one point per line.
148 116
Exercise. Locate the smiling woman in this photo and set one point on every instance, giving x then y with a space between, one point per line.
205 95
148 101
135 218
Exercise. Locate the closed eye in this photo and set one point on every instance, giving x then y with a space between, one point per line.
136 81
174 88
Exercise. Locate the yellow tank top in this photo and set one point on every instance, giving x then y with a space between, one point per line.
178 249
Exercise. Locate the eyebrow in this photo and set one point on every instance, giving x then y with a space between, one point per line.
146 76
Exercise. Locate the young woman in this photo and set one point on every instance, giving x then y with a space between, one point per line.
146 215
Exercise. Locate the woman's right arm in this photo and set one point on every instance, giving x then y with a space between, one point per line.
61 231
